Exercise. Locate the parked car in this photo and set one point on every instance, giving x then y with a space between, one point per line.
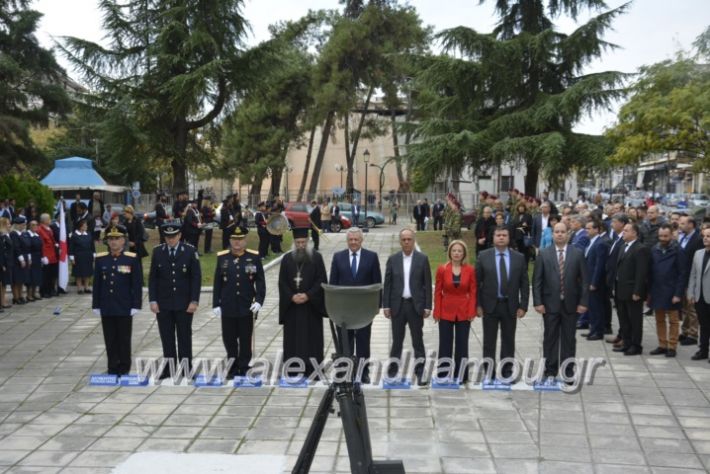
373 217
298 214
698 200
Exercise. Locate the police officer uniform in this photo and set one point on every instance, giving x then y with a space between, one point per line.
260 219
239 291
117 296
174 284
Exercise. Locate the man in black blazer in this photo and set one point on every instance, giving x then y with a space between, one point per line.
616 242
407 300
631 289
357 266
540 222
418 214
560 293
690 241
503 293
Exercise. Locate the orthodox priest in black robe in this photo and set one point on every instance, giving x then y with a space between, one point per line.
301 302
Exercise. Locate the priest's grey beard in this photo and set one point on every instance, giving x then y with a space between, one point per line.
302 255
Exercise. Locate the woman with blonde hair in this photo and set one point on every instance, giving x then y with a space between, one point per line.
454 308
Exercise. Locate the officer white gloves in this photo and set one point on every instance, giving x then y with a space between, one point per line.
45 261
217 311
134 311
71 257
96 311
254 308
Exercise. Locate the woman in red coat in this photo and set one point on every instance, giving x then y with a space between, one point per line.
454 308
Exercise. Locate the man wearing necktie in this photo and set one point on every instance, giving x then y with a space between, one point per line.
357 266
503 289
560 293
699 293
616 242
690 241
631 289
174 293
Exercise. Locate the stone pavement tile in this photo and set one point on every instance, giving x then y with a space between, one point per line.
674 460
620 469
565 453
558 467
8 457
694 412
517 466
460 436
701 447
14 442
654 420
262 447
698 434
32 469
99 459
128 431
675 470
223 433
175 445
564 440
505 437
614 429
650 410
469 450
661 445
85 430
464 465
67 442
705 459
176 432
49 458
213 446
566 427
660 432
618 456
515 451
117 444
86 470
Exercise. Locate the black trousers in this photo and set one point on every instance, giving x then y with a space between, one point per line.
500 317
607 313
275 243
596 311
50 273
193 239
359 340
420 224
316 239
208 240
559 341
630 321
225 238
408 317
264 238
703 311
117 337
438 223
453 343
236 336
170 324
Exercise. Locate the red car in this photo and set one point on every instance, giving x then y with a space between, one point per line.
298 213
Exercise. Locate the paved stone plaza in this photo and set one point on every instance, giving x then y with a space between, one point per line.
643 414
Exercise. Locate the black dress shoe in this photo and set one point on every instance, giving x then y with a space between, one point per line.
670 353
620 349
699 356
633 350
689 341
585 335
658 351
682 338
595 337
613 340
582 326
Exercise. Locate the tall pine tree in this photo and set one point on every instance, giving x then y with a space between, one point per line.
515 94
30 84
169 70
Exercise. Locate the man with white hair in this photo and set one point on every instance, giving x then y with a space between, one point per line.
356 266
301 302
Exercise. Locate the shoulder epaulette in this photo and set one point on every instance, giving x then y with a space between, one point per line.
188 245
130 254
223 252
253 251
159 245
101 254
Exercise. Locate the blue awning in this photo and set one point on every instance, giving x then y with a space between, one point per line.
77 173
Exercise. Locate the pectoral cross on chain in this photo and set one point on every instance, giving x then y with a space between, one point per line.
298 280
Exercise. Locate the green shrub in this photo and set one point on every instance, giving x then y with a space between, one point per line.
24 188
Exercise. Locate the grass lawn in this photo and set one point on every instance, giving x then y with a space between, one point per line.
208 262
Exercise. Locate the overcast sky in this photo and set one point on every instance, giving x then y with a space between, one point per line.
652 30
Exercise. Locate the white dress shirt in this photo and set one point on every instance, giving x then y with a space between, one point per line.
407 259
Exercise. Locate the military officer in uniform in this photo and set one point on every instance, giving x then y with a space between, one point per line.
174 293
117 296
238 293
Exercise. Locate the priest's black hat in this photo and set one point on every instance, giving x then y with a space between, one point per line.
300 232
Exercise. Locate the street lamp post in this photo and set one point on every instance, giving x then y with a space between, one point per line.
366 159
340 169
382 176
287 169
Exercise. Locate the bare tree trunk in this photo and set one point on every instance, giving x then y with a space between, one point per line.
276 174
325 135
395 146
356 138
304 178
255 191
533 171
349 180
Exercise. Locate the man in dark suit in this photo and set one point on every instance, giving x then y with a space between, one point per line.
418 215
503 293
357 266
427 213
690 241
437 213
540 223
698 293
407 300
560 293
174 293
631 289
595 255
579 237
616 242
